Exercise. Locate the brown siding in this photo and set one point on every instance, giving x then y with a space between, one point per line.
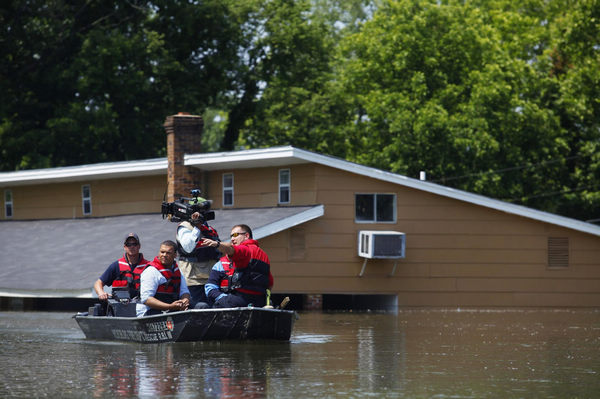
260 187
457 254
109 197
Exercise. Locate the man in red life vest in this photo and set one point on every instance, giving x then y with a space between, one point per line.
243 275
124 273
161 286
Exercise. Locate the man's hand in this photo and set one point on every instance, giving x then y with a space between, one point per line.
185 301
180 304
224 247
103 296
207 242
195 218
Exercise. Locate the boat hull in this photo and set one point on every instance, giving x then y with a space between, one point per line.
192 325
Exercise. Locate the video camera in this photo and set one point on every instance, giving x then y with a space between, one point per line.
183 208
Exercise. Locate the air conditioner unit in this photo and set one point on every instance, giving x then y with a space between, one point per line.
381 244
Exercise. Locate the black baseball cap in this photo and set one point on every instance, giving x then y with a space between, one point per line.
131 235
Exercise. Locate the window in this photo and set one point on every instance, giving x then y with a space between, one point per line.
227 189
284 186
375 208
8 204
86 198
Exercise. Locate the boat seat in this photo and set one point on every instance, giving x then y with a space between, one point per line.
120 309
97 310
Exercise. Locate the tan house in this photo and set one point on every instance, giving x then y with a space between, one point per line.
314 213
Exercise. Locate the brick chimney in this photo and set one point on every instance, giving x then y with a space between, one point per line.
184 134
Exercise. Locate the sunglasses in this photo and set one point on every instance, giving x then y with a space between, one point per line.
233 235
131 244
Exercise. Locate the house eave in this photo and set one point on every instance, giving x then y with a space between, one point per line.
109 170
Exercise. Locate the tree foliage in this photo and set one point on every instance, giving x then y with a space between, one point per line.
88 82
495 97
72 75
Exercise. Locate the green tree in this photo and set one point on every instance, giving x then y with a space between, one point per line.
450 88
572 59
60 108
491 96
494 97
92 82
301 103
87 82
289 46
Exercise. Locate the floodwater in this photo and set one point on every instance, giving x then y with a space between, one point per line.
416 353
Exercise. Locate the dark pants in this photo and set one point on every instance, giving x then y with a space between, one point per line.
197 294
239 300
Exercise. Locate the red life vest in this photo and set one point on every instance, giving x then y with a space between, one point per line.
229 269
200 253
254 278
168 291
130 279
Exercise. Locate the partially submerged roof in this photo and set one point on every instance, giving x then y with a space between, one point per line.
107 170
279 156
65 257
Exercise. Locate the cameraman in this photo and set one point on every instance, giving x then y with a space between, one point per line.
196 260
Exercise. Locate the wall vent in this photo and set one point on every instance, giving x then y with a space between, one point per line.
381 244
558 252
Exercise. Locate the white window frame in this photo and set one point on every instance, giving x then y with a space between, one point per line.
86 199
285 186
227 189
8 204
374 220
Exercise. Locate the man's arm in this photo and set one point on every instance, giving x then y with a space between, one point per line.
99 288
224 247
240 254
184 292
212 287
107 278
180 304
187 238
149 281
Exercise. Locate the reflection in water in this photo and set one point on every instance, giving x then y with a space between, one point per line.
157 371
380 360
164 370
310 338
415 353
114 377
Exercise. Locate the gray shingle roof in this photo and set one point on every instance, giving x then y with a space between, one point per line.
65 257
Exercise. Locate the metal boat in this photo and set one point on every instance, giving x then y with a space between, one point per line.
191 325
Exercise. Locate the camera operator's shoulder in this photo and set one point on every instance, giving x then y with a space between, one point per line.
187 225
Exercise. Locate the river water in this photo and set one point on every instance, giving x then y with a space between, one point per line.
416 353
